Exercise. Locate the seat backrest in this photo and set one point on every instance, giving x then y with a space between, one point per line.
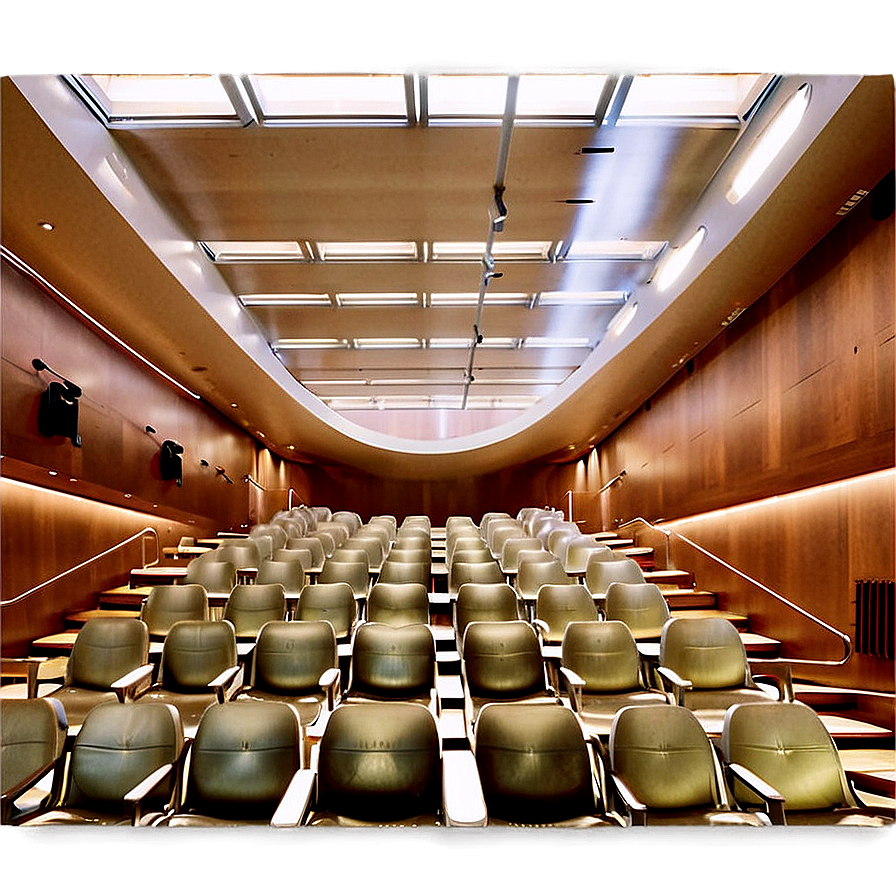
328 542
249 607
392 663
195 653
501 534
398 603
309 544
32 735
479 554
604 654
788 746
641 607
243 757
167 604
371 545
511 549
290 657
503 659
600 574
380 531
242 556
461 573
558 605
380 762
405 571
349 518
413 540
119 745
288 573
339 531
303 556
533 574
484 602
346 554
322 514
707 651
464 544
106 649
352 572
580 550
533 763
217 577
389 523
664 756
559 537
495 526
332 601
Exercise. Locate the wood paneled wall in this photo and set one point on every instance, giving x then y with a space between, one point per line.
798 392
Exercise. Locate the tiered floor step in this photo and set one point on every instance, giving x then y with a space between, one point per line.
123 597
857 719
79 618
738 621
688 598
673 578
871 771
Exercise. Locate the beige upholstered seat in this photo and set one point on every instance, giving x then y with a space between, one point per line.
398 603
217 577
480 571
533 573
558 605
641 607
249 607
331 601
600 573
484 602
417 568
167 604
351 572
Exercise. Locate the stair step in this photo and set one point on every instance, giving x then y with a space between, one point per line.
759 645
738 621
822 697
871 771
851 733
157 575
678 577
687 598
644 557
124 596
56 644
79 618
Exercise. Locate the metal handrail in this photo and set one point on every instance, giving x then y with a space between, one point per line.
617 478
847 641
141 534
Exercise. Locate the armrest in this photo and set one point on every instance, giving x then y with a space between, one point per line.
780 676
678 684
27 667
222 683
574 684
463 803
135 796
295 801
330 682
134 683
542 629
8 797
636 809
774 802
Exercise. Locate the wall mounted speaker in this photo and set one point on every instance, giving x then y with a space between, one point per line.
170 464
58 413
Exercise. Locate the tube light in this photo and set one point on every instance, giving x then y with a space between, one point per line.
286 300
623 318
769 143
675 263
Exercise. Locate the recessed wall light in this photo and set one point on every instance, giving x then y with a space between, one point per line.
52 472
45 225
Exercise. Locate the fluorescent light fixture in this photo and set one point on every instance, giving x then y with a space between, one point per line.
466 96
308 343
413 382
502 402
688 95
236 251
614 250
518 381
335 383
499 342
286 300
610 297
507 250
556 342
769 143
143 98
387 342
373 299
364 96
558 95
674 264
623 318
457 299
367 251
449 342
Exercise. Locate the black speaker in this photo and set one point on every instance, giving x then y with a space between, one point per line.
882 197
58 414
170 465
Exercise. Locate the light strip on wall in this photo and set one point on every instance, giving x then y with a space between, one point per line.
671 268
26 269
776 499
769 143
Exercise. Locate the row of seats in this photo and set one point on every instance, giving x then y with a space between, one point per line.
382 764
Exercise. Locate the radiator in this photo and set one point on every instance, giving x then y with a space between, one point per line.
874 618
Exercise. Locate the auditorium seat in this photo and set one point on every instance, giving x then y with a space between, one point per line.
398 603
315 546
641 607
350 572
482 572
167 604
559 537
372 546
601 671
245 555
217 577
536 768
396 570
781 758
557 605
249 607
703 664
467 554
328 542
123 764
537 571
105 652
239 766
290 574
600 574
579 551
511 550
338 531
300 555
348 518
484 602
665 771
32 738
333 602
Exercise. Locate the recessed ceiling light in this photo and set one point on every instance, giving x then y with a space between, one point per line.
285 299
507 250
241 251
233 404
556 342
610 297
367 251
368 299
308 343
52 472
45 225
439 299
128 495
614 250
387 342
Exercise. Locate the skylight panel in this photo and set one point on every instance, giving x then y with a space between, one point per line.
158 97
387 342
558 96
618 250
236 251
449 342
358 96
367 251
556 342
376 299
466 96
506 250
285 300
609 297
309 343
462 299
688 96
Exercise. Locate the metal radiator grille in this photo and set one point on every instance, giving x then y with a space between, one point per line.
874 618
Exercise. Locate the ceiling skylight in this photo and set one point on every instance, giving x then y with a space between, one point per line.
145 98
286 300
387 342
506 250
308 343
367 251
235 251
376 299
556 342
582 298
553 96
618 250
466 96
444 299
689 96
368 96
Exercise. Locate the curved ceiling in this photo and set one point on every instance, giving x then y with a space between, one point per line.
130 205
